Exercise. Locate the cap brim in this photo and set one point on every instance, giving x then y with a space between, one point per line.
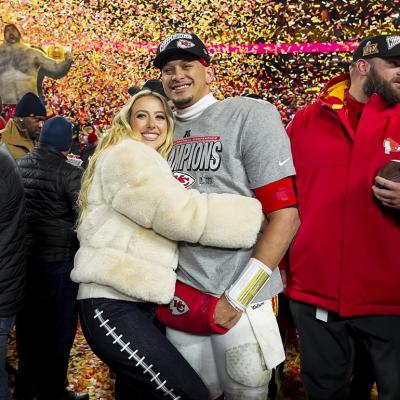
172 54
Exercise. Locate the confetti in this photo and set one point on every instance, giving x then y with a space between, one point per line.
256 45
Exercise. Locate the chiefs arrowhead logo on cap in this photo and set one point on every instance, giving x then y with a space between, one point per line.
184 44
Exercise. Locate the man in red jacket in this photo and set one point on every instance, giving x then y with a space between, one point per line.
344 266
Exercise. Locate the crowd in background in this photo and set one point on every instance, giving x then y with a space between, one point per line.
113 45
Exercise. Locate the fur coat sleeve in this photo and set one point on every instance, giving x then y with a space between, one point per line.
138 183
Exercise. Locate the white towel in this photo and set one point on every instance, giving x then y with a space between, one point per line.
265 327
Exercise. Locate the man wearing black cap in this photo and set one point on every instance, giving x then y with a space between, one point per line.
236 146
344 266
46 325
22 132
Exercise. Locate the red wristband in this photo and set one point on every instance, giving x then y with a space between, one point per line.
277 195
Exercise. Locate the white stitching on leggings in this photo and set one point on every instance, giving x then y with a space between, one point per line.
133 354
126 345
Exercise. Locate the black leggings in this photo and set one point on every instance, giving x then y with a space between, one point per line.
147 365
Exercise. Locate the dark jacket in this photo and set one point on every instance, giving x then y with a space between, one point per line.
51 190
12 235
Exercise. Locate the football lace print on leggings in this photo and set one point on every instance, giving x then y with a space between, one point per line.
135 356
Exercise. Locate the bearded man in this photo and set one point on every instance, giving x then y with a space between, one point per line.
343 270
20 63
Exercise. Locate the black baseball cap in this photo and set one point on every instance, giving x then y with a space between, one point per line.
381 46
180 44
154 85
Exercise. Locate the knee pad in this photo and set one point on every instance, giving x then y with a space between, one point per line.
245 365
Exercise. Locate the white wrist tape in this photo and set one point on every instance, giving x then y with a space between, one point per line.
250 282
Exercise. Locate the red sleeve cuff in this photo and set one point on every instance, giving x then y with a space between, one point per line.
277 195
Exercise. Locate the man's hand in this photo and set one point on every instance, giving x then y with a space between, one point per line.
389 194
225 315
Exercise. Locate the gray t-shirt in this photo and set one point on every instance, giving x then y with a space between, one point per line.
234 146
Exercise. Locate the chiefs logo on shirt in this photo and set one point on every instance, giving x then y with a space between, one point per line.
185 179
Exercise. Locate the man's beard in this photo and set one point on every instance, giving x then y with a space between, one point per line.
376 84
183 103
34 135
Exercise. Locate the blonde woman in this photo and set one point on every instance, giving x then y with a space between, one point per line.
132 212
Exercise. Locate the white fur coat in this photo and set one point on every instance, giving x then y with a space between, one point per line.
138 210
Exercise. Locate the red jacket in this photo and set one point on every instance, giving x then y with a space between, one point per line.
346 255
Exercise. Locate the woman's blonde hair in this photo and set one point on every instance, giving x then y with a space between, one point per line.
121 129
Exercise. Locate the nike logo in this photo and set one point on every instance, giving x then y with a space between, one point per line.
283 162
